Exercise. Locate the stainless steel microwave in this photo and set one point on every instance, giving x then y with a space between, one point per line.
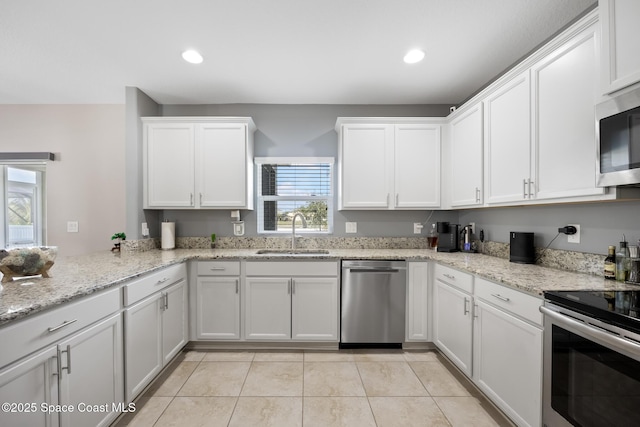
618 140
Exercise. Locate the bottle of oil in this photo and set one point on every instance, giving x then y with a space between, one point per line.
432 238
610 264
622 262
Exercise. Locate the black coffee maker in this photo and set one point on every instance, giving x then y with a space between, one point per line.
448 237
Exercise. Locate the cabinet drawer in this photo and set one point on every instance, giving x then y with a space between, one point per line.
455 278
144 286
521 304
28 335
218 268
292 268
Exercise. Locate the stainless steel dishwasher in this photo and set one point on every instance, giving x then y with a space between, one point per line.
373 303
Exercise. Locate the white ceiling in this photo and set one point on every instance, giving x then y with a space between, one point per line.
269 51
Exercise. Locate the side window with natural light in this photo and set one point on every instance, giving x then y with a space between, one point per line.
22 208
287 186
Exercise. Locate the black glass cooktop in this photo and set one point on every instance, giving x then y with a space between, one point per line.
620 308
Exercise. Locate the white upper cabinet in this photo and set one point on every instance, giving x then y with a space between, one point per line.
389 163
466 157
508 142
620 65
565 86
170 163
198 162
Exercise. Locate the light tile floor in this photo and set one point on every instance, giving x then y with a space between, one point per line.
304 388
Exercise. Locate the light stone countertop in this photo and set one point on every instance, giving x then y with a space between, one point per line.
74 277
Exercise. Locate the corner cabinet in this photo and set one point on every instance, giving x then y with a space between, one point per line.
198 162
620 65
388 163
466 157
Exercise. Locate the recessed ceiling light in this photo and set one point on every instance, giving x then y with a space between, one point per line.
413 56
192 56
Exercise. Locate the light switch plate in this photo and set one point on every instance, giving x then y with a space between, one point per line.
72 226
351 227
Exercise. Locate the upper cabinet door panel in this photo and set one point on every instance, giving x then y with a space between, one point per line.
466 158
170 165
366 156
222 164
417 166
620 65
508 141
565 86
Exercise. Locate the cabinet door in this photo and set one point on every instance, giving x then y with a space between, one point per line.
620 35
222 165
466 158
418 302
315 308
453 324
31 380
174 320
143 344
366 162
169 165
508 363
565 88
218 308
508 141
92 374
417 166
267 308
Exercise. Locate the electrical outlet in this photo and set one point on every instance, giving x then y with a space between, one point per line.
72 226
574 238
417 228
145 230
351 227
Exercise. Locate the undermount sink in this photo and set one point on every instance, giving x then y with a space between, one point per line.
293 251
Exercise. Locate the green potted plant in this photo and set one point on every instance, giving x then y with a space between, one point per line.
213 240
118 237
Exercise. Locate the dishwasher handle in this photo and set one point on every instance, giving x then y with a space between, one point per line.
373 270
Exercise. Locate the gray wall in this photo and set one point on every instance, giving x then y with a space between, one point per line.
601 224
303 130
138 104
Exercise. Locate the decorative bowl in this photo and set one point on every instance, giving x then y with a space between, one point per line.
32 261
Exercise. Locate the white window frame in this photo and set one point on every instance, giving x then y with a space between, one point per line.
259 161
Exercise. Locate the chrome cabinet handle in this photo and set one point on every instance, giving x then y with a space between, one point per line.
449 276
524 188
68 367
530 193
62 325
466 309
289 287
475 311
237 286
166 300
200 198
293 287
397 199
161 281
190 199
218 268
501 298
477 195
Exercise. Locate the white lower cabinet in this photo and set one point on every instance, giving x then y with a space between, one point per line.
453 324
78 363
155 327
296 301
507 363
216 301
91 380
417 322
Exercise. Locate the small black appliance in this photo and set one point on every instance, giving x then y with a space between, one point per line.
448 237
522 250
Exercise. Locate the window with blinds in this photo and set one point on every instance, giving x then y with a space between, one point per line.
287 186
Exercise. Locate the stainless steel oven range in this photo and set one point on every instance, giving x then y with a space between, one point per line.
591 359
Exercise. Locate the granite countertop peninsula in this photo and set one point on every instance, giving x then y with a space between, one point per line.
74 277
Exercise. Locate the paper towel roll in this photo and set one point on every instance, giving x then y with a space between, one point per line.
168 232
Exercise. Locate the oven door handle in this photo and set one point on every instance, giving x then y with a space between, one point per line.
591 331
